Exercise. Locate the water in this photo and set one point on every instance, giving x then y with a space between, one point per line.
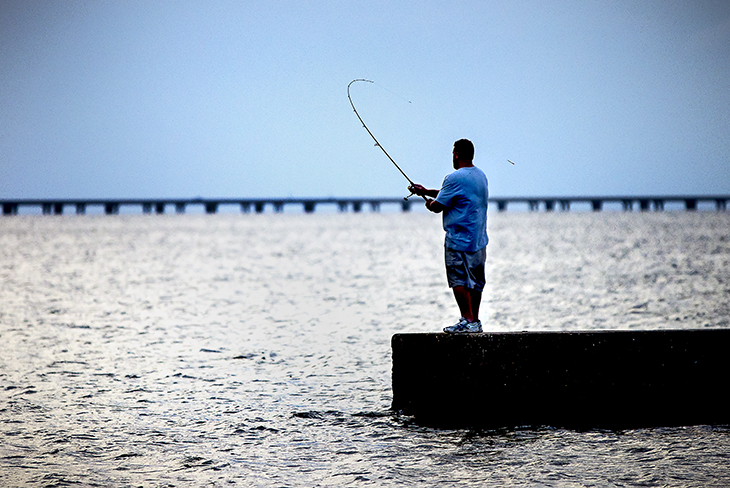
254 350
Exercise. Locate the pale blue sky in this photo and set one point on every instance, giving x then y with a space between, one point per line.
248 98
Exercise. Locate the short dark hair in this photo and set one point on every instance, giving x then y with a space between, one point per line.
465 149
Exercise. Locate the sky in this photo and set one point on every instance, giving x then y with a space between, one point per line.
229 99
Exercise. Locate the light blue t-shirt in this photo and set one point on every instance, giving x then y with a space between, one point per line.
464 193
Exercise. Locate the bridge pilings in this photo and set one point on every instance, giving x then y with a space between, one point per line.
690 203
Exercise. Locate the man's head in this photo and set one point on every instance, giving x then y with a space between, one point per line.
463 153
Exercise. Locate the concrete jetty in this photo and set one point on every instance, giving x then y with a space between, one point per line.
605 379
211 206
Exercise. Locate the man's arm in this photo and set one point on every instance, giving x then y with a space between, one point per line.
422 191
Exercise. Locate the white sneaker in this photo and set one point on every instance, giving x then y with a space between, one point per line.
464 327
474 327
461 326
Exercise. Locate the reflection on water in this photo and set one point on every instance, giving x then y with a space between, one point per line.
255 349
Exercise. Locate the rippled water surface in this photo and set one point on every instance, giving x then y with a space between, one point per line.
254 349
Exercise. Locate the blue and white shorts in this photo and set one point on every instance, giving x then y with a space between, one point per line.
466 268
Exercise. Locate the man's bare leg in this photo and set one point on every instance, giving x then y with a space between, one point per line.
468 301
475 300
464 301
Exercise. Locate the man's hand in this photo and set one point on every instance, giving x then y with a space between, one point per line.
434 206
418 189
422 191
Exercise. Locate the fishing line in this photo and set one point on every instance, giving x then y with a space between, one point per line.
376 140
391 92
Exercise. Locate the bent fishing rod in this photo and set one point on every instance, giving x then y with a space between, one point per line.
410 182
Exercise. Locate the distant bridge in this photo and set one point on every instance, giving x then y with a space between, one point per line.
211 205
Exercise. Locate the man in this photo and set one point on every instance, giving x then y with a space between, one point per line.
463 201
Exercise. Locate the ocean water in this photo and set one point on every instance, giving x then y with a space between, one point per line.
254 349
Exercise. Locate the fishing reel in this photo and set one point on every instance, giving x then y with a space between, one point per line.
412 193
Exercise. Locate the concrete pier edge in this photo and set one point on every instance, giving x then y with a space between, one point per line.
585 379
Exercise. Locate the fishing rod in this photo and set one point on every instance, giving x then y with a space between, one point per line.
410 182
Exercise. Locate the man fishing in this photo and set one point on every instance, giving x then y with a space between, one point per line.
463 201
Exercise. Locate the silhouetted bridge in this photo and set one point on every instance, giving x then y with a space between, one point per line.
211 206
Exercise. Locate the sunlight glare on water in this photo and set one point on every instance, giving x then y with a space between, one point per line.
255 349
